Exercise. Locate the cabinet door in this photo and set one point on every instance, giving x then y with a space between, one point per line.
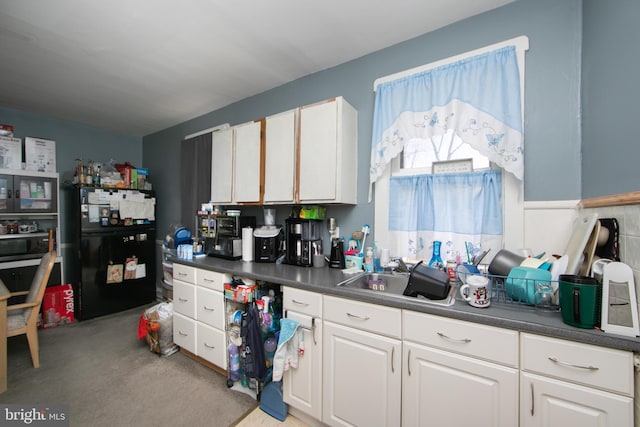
35 194
318 151
549 402
280 158
6 193
440 388
221 166
19 278
184 332
247 171
184 298
362 377
302 387
210 307
211 345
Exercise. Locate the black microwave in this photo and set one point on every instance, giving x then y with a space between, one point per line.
23 246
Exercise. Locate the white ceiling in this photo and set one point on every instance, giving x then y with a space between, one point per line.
140 66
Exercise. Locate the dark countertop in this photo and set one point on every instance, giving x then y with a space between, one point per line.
501 314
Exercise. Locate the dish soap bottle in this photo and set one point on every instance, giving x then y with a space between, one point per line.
368 260
436 260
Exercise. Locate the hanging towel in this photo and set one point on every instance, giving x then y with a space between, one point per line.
286 355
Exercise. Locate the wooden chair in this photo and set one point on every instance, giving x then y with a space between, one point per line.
23 318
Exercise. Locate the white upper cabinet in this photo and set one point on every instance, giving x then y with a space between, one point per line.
328 153
305 155
247 166
222 166
280 158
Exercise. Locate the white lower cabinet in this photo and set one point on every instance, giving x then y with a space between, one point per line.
302 386
440 388
198 319
567 383
550 402
451 385
211 345
184 332
362 370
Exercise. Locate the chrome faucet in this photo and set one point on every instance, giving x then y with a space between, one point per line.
401 266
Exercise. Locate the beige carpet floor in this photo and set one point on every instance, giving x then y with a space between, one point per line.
107 378
259 418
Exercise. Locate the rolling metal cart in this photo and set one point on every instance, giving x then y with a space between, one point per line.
253 311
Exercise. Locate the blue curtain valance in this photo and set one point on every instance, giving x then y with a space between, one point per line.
478 98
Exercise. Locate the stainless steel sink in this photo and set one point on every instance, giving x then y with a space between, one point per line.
392 285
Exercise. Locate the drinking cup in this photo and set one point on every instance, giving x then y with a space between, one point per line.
476 291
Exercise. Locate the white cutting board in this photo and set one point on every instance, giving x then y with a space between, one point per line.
583 226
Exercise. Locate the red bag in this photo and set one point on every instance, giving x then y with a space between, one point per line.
57 306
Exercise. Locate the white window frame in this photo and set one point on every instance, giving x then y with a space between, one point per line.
513 189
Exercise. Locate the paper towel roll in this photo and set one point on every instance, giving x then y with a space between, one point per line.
247 244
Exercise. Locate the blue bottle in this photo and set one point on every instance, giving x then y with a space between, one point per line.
436 261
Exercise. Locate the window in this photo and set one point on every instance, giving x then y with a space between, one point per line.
415 155
419 154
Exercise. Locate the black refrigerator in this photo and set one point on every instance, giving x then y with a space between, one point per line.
113 234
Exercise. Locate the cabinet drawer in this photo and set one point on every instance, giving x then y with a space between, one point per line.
587 364
211 345
210 307
479 341
212 279
184 332
184 273
305 302
367 317
184 298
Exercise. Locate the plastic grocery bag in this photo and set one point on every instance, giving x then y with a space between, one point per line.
156 326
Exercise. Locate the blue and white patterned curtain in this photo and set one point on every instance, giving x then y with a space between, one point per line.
461 210
478 98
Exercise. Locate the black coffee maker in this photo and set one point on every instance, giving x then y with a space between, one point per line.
268 239
267 243
303 240
337 245
337 253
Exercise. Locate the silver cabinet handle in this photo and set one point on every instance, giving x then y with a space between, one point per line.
183 334
559 362
209 346
353 316
209 280
182 274
409 362
208 309
299 302
393 352
532 400
182 299
443 336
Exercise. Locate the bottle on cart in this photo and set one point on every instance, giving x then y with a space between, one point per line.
270 346
234 362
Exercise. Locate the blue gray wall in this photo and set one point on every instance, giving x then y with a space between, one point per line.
567 157
74 140
552 102
610 94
